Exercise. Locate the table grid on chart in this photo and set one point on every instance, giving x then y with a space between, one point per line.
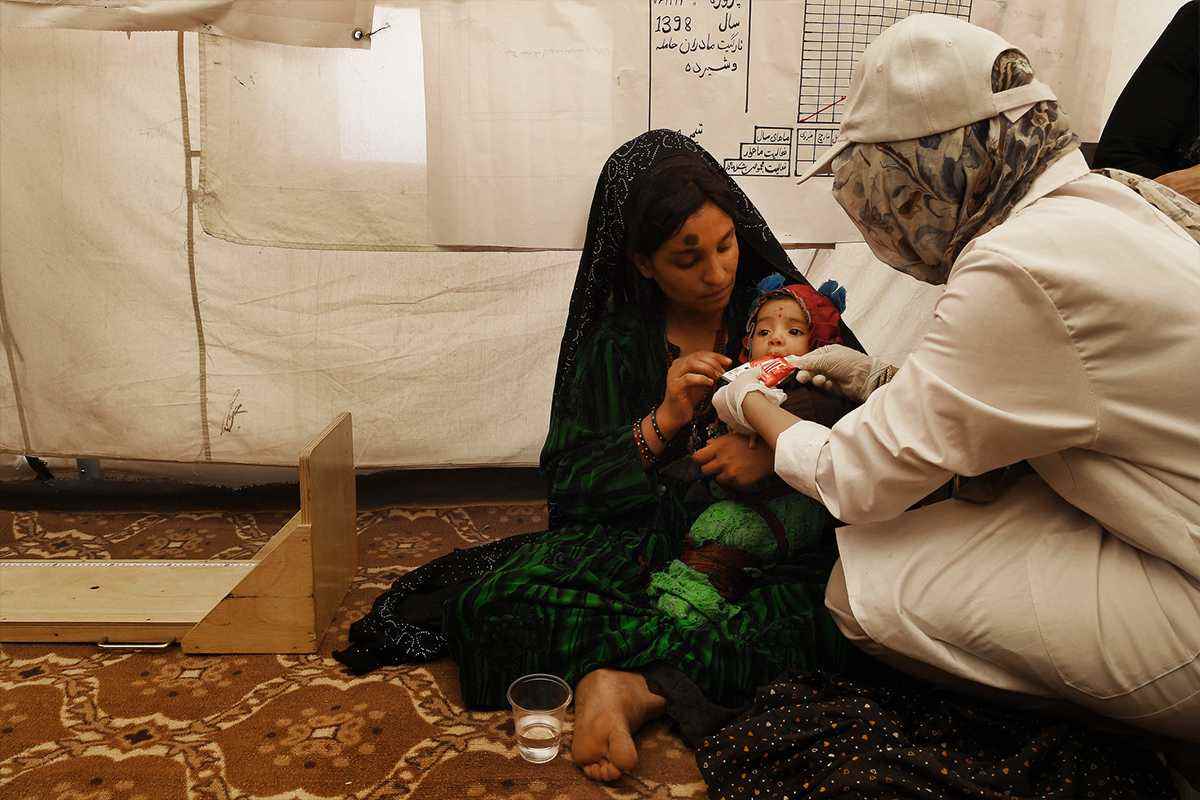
835 34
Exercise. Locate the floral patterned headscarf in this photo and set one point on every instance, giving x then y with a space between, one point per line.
919 202
1179 209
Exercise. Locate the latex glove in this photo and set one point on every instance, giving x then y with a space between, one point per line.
728 399
846 371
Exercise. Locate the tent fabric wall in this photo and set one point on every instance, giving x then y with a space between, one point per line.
888 311
96 292
520 98
11 422
312 23
315 148
525 101
126 337
524 97
445 358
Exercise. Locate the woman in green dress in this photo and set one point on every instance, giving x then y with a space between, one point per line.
674 251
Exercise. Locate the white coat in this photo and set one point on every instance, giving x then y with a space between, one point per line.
1068 336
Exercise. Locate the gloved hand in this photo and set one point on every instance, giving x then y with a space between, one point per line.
728 399
852 374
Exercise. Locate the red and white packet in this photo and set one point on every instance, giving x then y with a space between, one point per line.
775 369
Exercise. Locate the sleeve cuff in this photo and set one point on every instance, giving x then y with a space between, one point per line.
796 453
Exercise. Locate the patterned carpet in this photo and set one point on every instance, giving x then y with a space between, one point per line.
82 724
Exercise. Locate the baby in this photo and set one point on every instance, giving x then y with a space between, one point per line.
734 540
791 321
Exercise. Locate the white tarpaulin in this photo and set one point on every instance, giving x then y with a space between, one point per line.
313 23
523 99
520 98
125 334
328 150
888 311
92 206
1070 43
443 358
322 149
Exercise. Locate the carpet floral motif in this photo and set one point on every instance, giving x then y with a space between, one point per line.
77 723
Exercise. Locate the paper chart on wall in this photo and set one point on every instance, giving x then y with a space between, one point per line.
762 85
549 89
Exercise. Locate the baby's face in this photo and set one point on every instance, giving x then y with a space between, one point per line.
780 330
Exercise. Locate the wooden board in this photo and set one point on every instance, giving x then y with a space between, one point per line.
327 504
271 610
144 601
287 602
281 601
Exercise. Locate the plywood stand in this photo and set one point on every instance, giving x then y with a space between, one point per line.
281 601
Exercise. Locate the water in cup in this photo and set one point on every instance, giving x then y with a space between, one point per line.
539 704
539 737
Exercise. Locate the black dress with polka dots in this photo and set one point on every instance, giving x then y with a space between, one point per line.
809 736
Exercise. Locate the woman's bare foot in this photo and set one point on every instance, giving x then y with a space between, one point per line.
610 706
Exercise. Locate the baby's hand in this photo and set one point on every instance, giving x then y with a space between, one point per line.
752 440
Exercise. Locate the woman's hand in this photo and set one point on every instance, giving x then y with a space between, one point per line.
689 381
1184 181
735 461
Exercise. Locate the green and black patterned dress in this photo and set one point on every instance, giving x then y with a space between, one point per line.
576 600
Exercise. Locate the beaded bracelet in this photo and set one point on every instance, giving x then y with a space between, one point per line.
643 446
654 424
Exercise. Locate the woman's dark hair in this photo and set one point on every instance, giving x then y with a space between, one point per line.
666 195
661 201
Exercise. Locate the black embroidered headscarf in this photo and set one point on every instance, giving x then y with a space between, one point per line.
602 282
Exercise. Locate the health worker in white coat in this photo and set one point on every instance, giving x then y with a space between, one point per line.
1066 345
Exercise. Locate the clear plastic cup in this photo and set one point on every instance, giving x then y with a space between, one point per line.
539 704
